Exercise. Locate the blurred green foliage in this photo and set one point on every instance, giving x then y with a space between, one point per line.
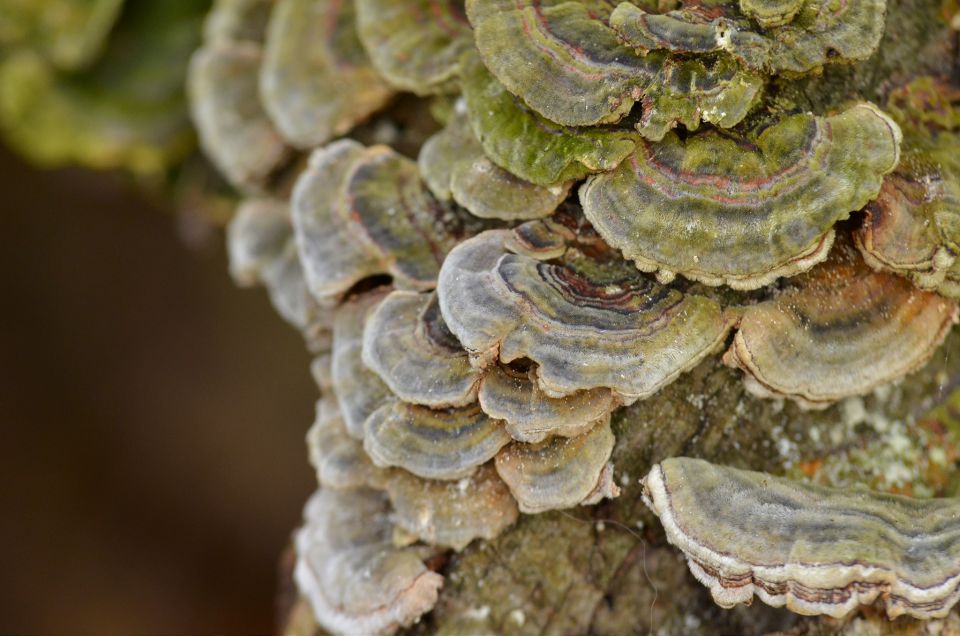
98 83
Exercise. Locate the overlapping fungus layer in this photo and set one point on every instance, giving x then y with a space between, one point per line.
812 549
478 313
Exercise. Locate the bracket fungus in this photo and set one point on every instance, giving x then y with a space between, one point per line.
348 569
482 339
234 129
453 165
416 45
359 390
913 228
529 146
452 513
795 36
360 212
561 472
625 332
261 251
408 345
841 331
338 458
594 79
433 443
743 211
311 45
530 415
813 549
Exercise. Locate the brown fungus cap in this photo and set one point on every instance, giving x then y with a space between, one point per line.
433 443
415 44
355 580
913 228
593 78
312 45
560 473
587 320
452 513
841 331
453 165
408 345
743 211
359 390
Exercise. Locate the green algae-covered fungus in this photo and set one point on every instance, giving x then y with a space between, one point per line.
793 36
743 211
594 78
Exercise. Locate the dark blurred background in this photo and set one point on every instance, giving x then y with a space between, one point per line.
152 458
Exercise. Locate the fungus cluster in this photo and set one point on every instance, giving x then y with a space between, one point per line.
604 197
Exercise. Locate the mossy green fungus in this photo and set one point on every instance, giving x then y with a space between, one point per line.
743 210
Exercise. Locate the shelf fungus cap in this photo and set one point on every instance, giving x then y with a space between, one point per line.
743 213
593 78
771 13
261 251
360 212
453 165
355 580
417 44
312 45
408 345
337 457
257 235
433 443
359 390
525 144
562 472
795 36
531 415
842 331
813 549
452 513
913 227
584 329
234 131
